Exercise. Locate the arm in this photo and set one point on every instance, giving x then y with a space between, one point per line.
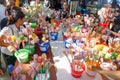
115 33
60 14
2 43
5 31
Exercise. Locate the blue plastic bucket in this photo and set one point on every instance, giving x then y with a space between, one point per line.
54 36
74 40
81 44
43 48
67 43
85 11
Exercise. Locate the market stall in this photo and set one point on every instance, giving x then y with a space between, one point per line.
26 67
88 47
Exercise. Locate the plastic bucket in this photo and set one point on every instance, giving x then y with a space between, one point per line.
65 37
67 44
77 69
43 48
85 11
30 47
1 79
22 55
41 75
89 71
54 36
81 44
78 9
74 40
77 13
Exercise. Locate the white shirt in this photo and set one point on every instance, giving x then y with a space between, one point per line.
9 31
2 12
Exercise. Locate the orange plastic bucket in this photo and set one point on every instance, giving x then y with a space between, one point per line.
77 69
89 71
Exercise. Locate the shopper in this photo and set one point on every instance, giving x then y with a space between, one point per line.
65 12
2 9
2 15
8 19
58 5
115 33
12 2
10 30
103 13
116 24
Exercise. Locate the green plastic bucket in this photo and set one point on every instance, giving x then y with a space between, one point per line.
30 47
22 55
1 79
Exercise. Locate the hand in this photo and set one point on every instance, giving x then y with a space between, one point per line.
11 48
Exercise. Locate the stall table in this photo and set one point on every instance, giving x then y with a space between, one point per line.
49 55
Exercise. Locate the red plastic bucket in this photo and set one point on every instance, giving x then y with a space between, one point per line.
77 69
78 13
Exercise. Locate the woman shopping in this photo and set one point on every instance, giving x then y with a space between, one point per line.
7 48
